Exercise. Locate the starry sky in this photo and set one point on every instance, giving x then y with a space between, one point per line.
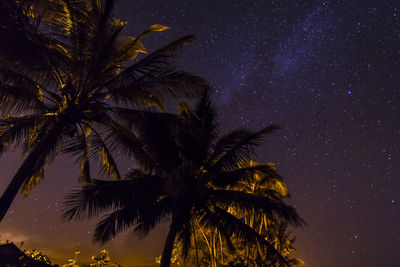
328 72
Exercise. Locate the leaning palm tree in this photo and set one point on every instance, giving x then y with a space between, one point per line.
192 172
65 75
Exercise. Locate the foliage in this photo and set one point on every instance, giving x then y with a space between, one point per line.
271 228
103 259
99 260
194 181
74 262
175 258
71 83
38 256
209 249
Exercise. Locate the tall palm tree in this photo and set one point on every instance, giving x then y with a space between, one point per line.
192 172
209 249
66 74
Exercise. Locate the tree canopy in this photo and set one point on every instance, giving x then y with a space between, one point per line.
68 77
193 181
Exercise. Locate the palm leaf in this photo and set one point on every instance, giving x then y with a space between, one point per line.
237 146
108 163
34 180
114 223
14 130
243 174
270 205
244 233
150 66
121 139
153 214
101 196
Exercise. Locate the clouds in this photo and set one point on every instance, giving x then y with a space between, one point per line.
14 236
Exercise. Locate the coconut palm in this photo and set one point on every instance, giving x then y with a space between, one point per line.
66 74
102 259
190 183
209 249
271 228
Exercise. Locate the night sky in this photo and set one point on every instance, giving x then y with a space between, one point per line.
328 72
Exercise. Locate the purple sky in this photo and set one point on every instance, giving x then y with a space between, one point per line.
326 71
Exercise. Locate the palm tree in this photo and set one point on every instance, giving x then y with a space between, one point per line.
190 183
272 228
211 250
75 262
67 77
103 259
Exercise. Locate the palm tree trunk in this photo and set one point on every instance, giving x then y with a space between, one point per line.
23 173
169 242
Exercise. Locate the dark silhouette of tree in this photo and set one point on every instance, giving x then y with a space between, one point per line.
102 259
192 182
209 249
38 256
272 228
67 77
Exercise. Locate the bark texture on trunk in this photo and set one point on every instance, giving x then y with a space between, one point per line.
169 242
23 173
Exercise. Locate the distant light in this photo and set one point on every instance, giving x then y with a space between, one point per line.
349 92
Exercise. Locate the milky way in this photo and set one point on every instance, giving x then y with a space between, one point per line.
326 71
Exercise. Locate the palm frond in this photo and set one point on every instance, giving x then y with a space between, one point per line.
153 214
207 115
30 50
207 219
42 152
74 145
199 129
158 60
108 164
184 238
141 120
176 83
101 196
137 96
114 223
121 139
47 130
244 233
19 92
245 175
14 130
84 174
94 199
237 146
130 50
34 180
270 205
